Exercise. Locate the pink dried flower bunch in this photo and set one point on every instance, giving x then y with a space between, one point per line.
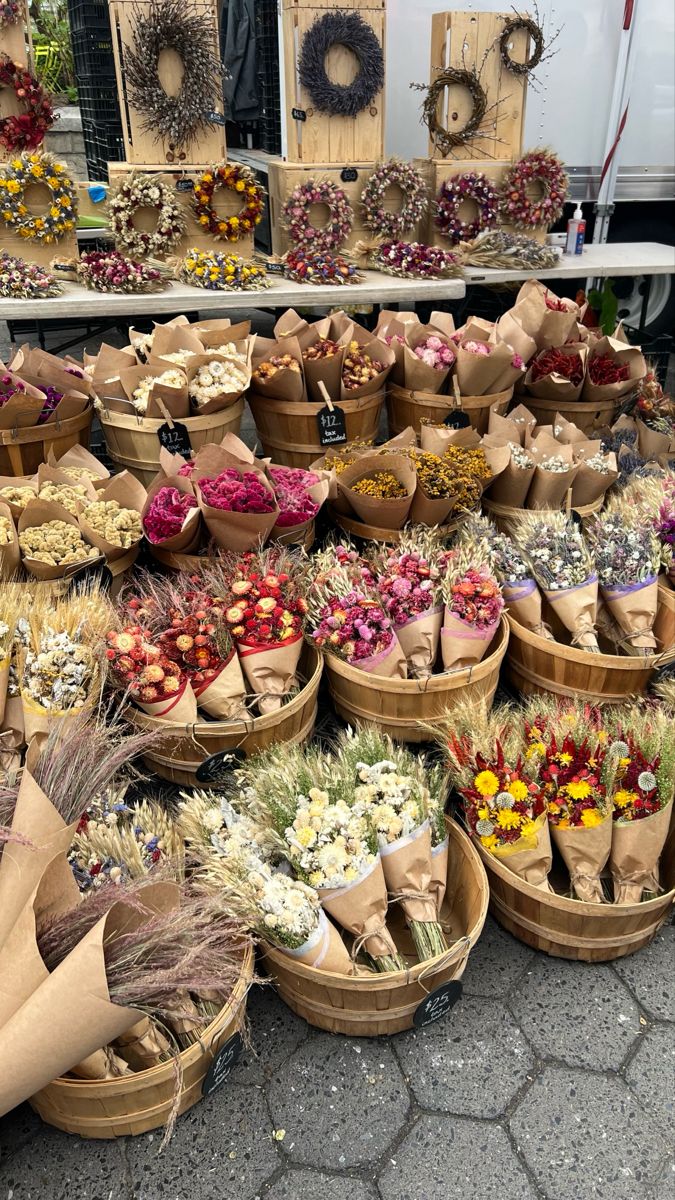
186 470
434 353
9 388
390 338
476 599
476 347
292 485
110 271
517 362
167 513
408 586
353 626
237 491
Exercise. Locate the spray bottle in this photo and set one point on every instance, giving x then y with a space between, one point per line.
576 232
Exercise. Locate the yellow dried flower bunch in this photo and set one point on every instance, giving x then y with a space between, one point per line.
383 485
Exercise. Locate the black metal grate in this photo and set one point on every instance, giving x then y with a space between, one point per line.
97 89
267 46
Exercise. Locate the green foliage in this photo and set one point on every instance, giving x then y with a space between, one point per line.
606 305
54 62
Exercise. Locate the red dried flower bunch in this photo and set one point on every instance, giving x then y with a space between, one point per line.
237 491
144 669
571 774
476 599
264 605
26 130
197 638
167 513
604 369
555 361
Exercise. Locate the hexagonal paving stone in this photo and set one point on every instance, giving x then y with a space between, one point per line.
314 1185
650 976
340 1100
452 1159
651 1073
471 1063
57 1166
577 1012
586 1135
275 1033
16 1128
496 962
665 1186
223 1147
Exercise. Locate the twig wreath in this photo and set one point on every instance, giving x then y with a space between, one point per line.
243 183
443 139
347 29
173 25
541 167
26 131
10 12
60 216
415 199
296 219
476 186
541 49
142 191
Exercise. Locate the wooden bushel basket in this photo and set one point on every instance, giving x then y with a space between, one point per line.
574 929
534 665
398 706
134 445
303 536
406 408
373 533
386 1003
23 450
184 747
585 414
502 514
289 430
110 1108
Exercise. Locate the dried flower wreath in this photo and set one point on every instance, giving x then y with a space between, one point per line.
59 217
243 183
142 191
27 130
344 29
410 182
11 12
476 186
21 280
173 25
295 216
443 139
517 207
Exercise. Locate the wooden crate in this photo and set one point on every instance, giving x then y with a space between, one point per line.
139 146
37 199
284 177
226 202
469 39
321 138
16 41
436 171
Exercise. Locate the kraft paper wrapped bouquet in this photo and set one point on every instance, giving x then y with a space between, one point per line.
408 586
640 776
345 618
473 606
512 572
561 564
627 555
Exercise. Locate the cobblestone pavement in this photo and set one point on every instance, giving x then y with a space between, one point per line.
549 1080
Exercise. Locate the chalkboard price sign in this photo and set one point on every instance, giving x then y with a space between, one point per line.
219 764
437 1004
298 114
332 425
221 1068
175 438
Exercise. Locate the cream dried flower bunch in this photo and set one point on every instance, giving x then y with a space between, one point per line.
59 667
55 543
216 378
119 526
173 378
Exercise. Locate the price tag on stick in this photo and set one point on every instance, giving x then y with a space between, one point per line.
457 419
173 435
331 420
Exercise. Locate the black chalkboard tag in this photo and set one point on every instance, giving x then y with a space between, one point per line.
457 419
576 518
185 185
219 764
332 425
275 268
298 114
349 175
221 1068
214 118
438 1003
175 438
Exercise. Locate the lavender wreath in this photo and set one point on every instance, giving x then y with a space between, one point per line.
348 29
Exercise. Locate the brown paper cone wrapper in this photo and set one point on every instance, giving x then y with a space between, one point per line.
439 874
38 512
225 695
376 350
37 720
224 399
235 530
436 438
418 375
390 663
387 514
407 871
187 538
361 908
143 1045
511 331
508 428
430 510
16 481
462 646
22 867
557 387
549 488
523 601
271 670
12 732
589 485
174 400
634 610
585 852
531 863
577 608
10 555
512 485
418 639
324 950
635 853
284 384
327 371
621 352
4 681
650 443
23 409
168 339
476 373
79 457
179 709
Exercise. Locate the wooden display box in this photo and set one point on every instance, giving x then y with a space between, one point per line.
437 170
16 41
284 177
470 39
320 138
37 198
140 146
226 202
